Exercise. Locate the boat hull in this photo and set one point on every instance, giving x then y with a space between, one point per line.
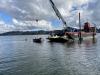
57 39
84 35
71 36
38 40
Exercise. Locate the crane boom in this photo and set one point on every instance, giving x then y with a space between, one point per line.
58 13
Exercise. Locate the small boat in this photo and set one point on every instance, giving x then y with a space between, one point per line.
37 40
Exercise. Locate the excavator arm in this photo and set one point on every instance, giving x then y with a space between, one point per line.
58 13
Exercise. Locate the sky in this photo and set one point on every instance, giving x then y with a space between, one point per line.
21 15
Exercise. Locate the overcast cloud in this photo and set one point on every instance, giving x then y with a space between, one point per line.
24 12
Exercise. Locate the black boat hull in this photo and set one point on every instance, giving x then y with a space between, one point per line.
57 40
37 40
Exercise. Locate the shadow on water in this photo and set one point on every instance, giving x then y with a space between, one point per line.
86 42
92 40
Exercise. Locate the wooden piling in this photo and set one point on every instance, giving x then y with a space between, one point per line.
80 35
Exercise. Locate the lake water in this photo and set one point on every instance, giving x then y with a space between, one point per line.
19 56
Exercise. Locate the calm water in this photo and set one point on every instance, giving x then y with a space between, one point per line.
20 57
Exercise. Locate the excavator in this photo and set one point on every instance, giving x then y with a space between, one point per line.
59 37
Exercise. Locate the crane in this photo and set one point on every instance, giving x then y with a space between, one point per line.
58 13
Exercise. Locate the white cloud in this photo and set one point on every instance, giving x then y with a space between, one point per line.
24 12
31 9
41 24
5 28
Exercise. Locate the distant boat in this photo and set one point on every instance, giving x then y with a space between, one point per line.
37 40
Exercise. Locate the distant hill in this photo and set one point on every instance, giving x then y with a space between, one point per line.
40 32
24 33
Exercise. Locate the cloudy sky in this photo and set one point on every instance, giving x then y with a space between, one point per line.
22 14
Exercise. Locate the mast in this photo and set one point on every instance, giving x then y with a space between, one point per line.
80 35
58 14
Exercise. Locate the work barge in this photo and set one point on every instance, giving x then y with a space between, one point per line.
87 31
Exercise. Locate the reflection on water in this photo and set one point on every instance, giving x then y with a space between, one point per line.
23 57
